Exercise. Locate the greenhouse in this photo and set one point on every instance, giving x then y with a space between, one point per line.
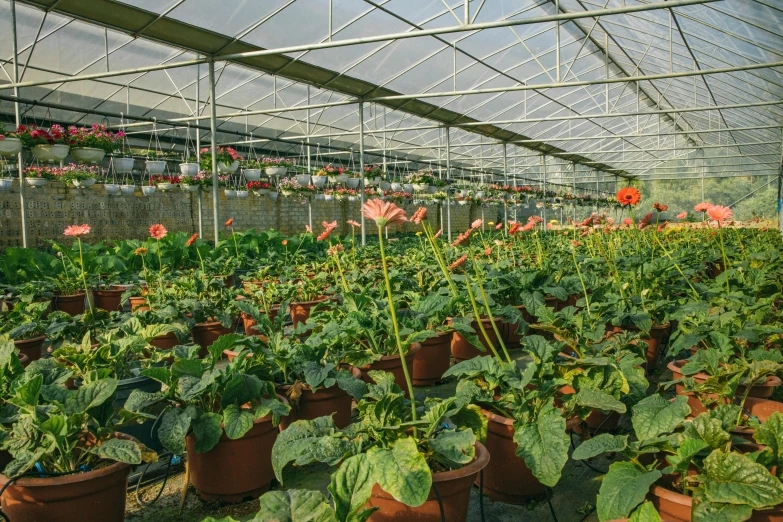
385 260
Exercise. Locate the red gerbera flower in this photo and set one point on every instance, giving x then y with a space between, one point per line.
628 196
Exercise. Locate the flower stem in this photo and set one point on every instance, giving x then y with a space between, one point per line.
84 277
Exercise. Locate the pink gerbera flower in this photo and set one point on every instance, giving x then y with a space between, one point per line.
682 215
719 213
383 213
702 207
158 231
77 230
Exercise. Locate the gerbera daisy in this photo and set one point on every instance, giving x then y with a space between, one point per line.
158 231
383 213
192 239
628 196
682 215
702 207
719 213
77 230
459 262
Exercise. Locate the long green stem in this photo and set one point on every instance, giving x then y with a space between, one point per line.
84 277
581 279
725 259
489 314
478 318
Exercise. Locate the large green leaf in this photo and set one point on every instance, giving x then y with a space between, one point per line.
174 426
685 453
207 429
656 416
603 443
351 486
90 395
470 416
624 487
645 513
27 394
120 450
402 471
599 400
543 444
707 429
237 421
706 511
296 505
140 400
241 389
454 448
770 434
733 478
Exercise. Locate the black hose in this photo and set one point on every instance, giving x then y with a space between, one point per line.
162 487
481 494
549 502
440 503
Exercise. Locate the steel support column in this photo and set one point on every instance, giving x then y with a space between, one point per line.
448 188
361 168
780 187
543 172
199 203
17 115
505 177
213 138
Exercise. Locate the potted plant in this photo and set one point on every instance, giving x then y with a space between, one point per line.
227 160
188 169
166 183
155 164
78 175
354 179
123 162
10 144
225 418
26 326
90 145
251 169
49 146
259 188
39 176
193 183
277 166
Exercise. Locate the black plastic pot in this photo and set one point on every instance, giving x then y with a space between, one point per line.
142 432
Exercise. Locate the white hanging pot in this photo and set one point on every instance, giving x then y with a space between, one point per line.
275 171
432 189
353 183
148 190
127 190
303 179
5 184
385 185
112 188
84 183
480 194
189 188
188 170
155 167
328 197
353 198
420 187
87 154
396 187
123 165
242 194
273 195
252 174
230 193
262 192
37 182
10 146
407 187
227 168
167 186
341 178
50 153
320 197
319 181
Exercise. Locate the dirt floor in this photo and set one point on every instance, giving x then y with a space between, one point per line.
573 499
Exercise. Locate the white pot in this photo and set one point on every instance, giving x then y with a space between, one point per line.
188 170
127 190
396 187
112 188
407 187
273 196
230 193
148 190
242 194
10 146
123 165
287 193
84 183
463 202
37 182
252 174
189 188
480 194
262 192
432 189
275 171
155 167
87 154
5 184
303 179
50 153
167 186
227 168
353 198
320 197
420 187
385 185
319 181
341 178
353 183
328 197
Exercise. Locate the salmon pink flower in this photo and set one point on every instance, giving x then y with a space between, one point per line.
660 207
498 226
440 233
419 215
230 222
702 207
140 251
335 249
719 213
458 263
488 251
383 213
354 223
682 215
662 226
192 239
158 231
628 221
77 230
477 223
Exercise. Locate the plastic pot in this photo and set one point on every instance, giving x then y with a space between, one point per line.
30 348
320 403
235 470
454 490
511 338
252 174
300 312
70 304
461 348
123 165
109 300
657 335
155 167
165 341
249 323
393 365
204 334
138 304
188 170
10 146
433 360
87 154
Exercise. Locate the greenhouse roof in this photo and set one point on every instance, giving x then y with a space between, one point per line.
646 90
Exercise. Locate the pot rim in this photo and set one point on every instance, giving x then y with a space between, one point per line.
356 372
321 299
477 464
32 340
571 423
412 350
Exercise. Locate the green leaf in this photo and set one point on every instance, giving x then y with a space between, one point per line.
356 388
624 487
174 426
237 421
603 443
225 342
56 425
351 486
296 505
597 399
645 513
686 451
543 444
140 400
29 392
733 478
241 389
707 429
162 375
470 417
402 471
119 450
454 448
90 395
207 429
770 434
706 511
656 416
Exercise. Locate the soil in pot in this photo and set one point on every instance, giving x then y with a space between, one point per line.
204 334
461 348
324 401
300 312
235 470
433 360
31 348
70 304
393 365
507 478
93 496
109 300
761 391
454 490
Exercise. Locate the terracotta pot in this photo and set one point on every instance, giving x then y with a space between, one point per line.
138 304
30 348
598 420
677 507
109 300
249 322
94 496
300 312
324 401
461 348
762 409
204 334
507 478
433 360
453 488
571 301
254 285
228 280
762 391
508 331
657 335
165 341
70 304
235 470
393 365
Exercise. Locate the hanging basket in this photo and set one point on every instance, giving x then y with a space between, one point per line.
353 183
127 190
87 154
123 165
303 179
147 190
275 171
188 170
227 168
155 167
230 193
37 182
5 184
50 153
242 194
167 186
84 183
396 187
252 174
189 188
112 188
274 195
10 146
319 181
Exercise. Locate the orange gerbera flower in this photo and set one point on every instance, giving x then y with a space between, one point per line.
719 213
702 207
459 262
192 239
628 196
660 207
353 223
230 222
419 215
